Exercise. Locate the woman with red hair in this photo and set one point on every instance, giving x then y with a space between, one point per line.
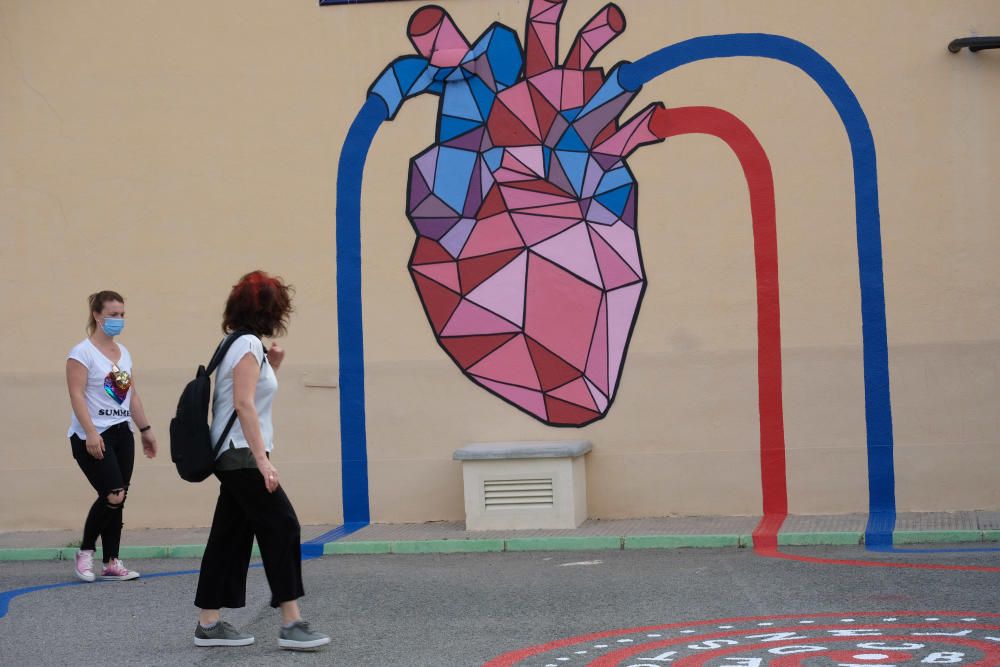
252 502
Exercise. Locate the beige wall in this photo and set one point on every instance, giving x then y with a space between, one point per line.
164 148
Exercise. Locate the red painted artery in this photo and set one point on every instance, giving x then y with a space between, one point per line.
666 123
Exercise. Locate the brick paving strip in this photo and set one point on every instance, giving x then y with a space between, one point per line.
614 534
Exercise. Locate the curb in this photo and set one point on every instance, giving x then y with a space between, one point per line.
522 544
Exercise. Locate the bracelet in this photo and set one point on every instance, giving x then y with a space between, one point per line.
145 428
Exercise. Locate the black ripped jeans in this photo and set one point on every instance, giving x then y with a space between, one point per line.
108 475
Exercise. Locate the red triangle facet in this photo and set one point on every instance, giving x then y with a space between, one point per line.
467 350
473 271
429 252
506 129
492 205
561 412
439 301
552 370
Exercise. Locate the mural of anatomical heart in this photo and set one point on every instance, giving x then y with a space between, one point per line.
527 257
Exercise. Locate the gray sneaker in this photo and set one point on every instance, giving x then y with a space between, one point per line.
221 634
300 638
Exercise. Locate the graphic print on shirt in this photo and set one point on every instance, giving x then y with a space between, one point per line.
117 383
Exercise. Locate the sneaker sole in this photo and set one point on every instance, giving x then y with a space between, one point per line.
83 577
124 577
293 645
208 643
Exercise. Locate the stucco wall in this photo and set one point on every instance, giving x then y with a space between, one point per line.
163 149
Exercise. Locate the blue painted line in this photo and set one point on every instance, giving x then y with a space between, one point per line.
878 410
7 596
309 552
314 547
350 337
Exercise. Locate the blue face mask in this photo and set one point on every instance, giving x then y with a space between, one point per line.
113 325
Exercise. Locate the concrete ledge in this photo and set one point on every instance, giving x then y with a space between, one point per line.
540 449
936 536
817 539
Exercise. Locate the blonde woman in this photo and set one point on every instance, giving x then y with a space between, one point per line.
104 400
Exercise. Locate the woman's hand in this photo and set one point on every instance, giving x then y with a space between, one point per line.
270 474
149 444
275 355
95 445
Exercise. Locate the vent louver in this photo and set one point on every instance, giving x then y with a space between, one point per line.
518 493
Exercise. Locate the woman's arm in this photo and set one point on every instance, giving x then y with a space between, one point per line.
76 382
142 421
245 376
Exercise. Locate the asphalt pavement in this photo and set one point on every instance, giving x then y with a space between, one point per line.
470 609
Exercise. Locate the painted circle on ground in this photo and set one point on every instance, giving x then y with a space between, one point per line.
855 639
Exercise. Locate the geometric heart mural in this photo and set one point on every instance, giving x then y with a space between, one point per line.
527 258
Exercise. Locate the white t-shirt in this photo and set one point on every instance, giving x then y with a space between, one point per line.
222 404
108 394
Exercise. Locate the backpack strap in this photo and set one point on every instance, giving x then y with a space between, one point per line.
220 354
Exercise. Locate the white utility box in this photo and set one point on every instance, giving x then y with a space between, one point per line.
524 485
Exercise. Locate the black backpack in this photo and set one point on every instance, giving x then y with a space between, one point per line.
191 447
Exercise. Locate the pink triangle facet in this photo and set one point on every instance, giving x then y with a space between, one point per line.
503 293
575 392
470 320
445 273
621 309
510 363
597 362
532 401
572 251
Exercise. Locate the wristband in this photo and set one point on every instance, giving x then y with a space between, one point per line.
145 428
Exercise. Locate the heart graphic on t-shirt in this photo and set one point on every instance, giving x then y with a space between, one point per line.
116 385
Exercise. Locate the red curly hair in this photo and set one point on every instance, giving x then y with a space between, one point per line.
260 303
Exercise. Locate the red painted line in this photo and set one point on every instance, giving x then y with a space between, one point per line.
513 657
773 552
760 182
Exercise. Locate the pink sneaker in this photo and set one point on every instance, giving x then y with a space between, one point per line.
116 571
84 568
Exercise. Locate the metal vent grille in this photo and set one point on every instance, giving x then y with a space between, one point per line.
518 493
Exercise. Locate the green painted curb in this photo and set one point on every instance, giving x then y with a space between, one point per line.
552 543
680 541
186 551
143 552
568 543
51 553
356 548
935 536
819 539
447 546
